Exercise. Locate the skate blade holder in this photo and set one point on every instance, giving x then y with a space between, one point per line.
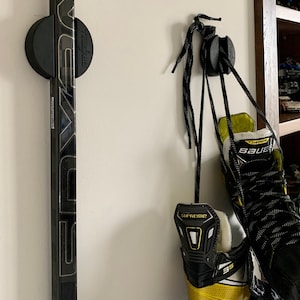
40 47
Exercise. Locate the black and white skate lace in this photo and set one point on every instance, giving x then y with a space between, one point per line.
270 217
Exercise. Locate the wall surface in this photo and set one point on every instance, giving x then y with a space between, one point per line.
133 163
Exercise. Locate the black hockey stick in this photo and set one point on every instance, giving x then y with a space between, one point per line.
59 47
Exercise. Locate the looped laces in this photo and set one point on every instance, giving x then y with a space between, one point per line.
207 32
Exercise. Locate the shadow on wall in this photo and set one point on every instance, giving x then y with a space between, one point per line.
140 261
143 258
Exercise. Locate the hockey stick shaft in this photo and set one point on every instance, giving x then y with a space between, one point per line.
59 47
63 153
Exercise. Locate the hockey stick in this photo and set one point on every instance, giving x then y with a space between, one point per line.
59 47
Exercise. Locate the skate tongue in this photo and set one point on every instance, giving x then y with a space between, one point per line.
251 146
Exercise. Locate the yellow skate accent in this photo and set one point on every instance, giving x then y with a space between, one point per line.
241 122
218 291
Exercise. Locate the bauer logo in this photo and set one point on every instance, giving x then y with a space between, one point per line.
259 150
250 149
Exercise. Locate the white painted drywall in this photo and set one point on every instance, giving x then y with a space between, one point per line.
133 164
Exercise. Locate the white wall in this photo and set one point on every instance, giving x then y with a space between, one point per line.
133 165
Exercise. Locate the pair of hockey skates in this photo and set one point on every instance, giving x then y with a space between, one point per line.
252 164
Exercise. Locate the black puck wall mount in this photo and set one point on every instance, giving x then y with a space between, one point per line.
40 47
